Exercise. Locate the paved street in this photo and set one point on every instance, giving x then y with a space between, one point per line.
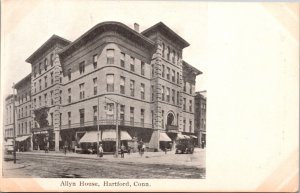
154 165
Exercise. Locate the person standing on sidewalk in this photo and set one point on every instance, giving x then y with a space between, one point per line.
122 150
65 149
100 151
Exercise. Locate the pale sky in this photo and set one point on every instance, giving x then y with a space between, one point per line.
36 21
248 52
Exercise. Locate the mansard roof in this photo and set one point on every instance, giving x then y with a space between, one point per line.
165 30
23 81
107 26
48 44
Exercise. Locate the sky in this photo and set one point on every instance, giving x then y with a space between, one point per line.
28 24
249 56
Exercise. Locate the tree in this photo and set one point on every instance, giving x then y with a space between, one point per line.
41 116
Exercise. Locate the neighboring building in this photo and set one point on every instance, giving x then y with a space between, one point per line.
200 117
23 113
46 91
8 118
78 85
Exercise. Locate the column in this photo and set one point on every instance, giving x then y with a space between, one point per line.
56 133
31 142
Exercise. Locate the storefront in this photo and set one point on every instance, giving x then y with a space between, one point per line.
43 139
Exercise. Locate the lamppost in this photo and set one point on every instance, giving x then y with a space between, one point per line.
117 126
98 129
14 107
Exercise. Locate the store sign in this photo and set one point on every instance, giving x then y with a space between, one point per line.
40 132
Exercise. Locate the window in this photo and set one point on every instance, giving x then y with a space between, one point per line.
173 75
45 64
163 50
152 70
184 86
191 105
190 126
22 112
184 104
81 116
60 77
173 56
45 81
132 64
163 71
173 96
81 91
162 119
34 85
122 85
132 88
162 93
95 61
45 97
168 53
34 71
51 96
131 115
110 83
178 58
95 86
25 111
60 118
122 60
122 114
184 124
51 115
168 94
142 91
177 119
34 103
95 110
29 110
152 92
51 59
142 116
81 67
40 68
69 118
40 101
40 84
70 96
168 73
110 55
191 88
177 77
178 97
143 68
51 74
110 111
60 93
69 73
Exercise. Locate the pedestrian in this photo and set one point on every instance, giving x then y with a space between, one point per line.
46 149
128 149
122 150
202 144
100 151
143 149
65 149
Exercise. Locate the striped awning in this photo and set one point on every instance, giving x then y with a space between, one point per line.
8 142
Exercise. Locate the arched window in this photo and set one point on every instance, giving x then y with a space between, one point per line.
45 64
163 50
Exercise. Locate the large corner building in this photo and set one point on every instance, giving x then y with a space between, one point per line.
110 73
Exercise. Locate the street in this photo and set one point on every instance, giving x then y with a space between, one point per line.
152 165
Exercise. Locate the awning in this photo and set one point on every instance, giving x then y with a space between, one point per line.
89 137
9 142
181 136
110 135
164 137
193 136
22 138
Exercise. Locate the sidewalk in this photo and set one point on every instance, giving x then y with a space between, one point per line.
196 160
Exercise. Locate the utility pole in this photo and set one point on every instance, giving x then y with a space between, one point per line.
117 126
14 107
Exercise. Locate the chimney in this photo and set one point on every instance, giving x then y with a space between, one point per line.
137 27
